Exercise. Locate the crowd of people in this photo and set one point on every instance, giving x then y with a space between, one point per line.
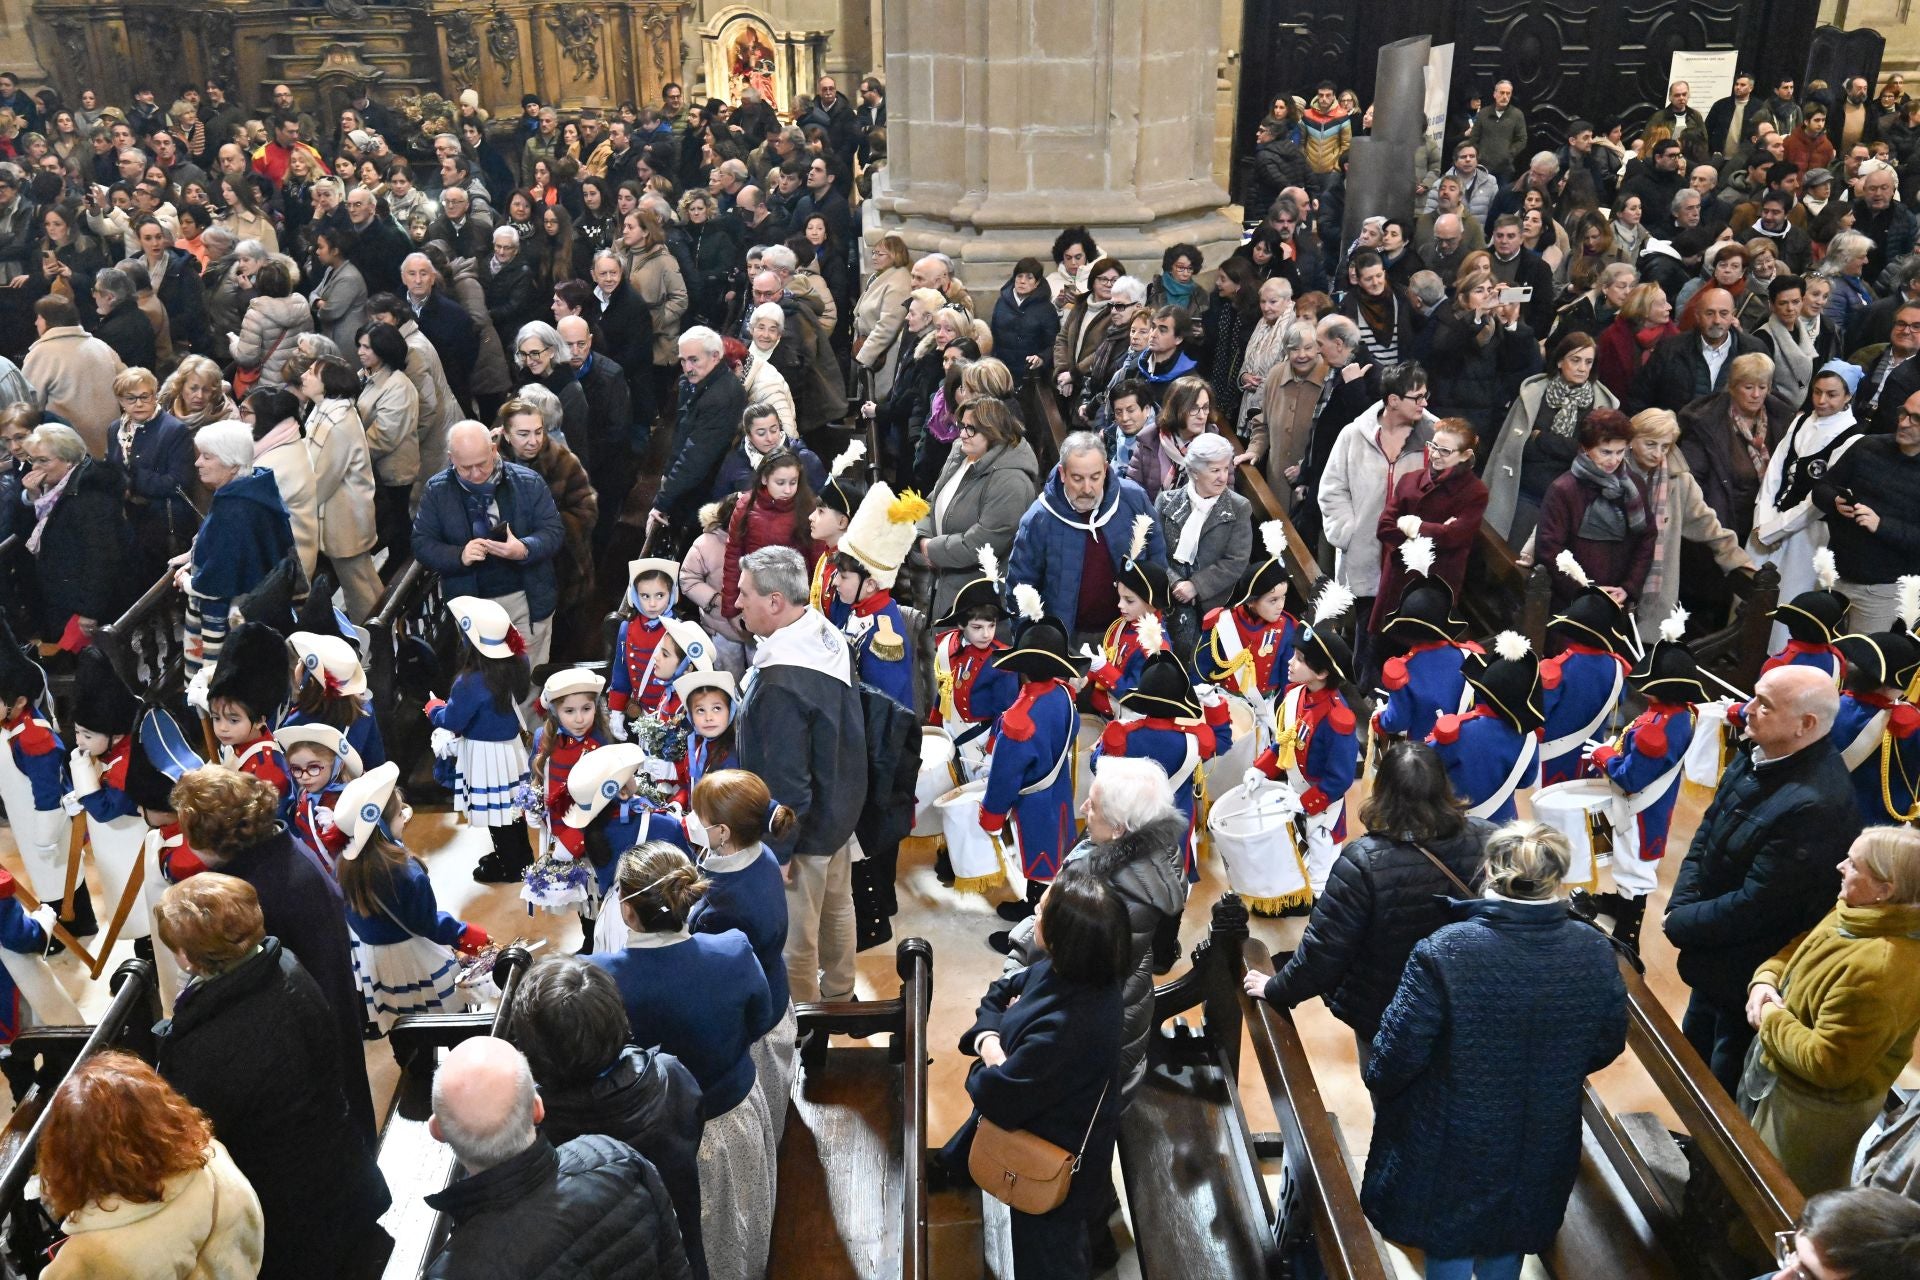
651 356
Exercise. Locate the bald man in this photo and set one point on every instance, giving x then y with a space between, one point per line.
609 457
526 1208
1764 864
1686 366
489 528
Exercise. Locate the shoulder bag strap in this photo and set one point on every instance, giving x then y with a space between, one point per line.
1444 869
1093 1120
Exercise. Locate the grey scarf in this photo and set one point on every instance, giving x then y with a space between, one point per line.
1617 511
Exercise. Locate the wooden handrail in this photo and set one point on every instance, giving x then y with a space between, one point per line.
1752 1174
120 639
915 965
1316 1163
132 985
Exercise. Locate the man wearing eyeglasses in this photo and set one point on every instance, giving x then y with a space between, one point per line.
1871 498
1894 374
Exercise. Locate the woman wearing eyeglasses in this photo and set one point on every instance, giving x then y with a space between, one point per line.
155 450
1861 1233
1836 1013
1442 500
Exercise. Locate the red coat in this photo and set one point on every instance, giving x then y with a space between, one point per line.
1622 353
1458 495
758 522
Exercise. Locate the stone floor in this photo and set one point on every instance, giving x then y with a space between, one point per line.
957 925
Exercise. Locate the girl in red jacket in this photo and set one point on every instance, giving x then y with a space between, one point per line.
775 514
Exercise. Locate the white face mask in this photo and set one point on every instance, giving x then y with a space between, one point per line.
696 831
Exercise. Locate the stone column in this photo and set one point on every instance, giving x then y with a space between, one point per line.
1009 119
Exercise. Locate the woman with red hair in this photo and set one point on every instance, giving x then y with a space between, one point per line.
133 1174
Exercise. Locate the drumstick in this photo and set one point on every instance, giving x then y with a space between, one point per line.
25 895
135 885
76 841
1743 696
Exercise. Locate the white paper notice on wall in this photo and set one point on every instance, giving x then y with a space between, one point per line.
1709 76
1439 89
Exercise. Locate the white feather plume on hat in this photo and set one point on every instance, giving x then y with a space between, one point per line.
1334 600
1273 536
989 564
1417 555
1674 627
848 459
1026 598
1511 645
1907 600
1826 571
1137 546
1152 636
1566 564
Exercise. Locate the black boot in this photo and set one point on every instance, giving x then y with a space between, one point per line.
1626 920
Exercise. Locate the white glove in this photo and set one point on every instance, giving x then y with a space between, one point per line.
617 724
443 743
1253 780
662 770
1590 746
70 802
1209 694
1092 654
197 689
44 916
1409 525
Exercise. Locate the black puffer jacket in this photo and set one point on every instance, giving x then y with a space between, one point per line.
1382 898
649 1101
592 1209
1144 869
1475 381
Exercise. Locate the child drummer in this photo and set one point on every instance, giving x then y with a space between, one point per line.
1493 750
1426 679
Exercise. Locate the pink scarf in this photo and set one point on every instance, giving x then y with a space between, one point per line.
286 433
43 507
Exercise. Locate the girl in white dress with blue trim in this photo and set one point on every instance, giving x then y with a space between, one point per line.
478 728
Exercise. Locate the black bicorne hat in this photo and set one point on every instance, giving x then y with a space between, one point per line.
1165 689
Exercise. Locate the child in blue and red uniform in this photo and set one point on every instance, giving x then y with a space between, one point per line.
710 700
21 933
1646 764
160 758
1177 727
1249 644
1424 680
1028 778
1493 750
1141 586
651 594
479 729
969 691
1814 621
322 763
828 522
572 726
34 782
104 712
1316 751
865 568
1877 729
1582 683
244 699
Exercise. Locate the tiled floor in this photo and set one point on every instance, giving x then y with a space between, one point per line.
957 925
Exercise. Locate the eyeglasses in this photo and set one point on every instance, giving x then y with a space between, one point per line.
139 397
307 770
969 429
528 353
1908 418
1442 451
38 461
1906 324
1418 397
1108 278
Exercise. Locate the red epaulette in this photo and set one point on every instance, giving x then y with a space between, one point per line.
1211 616
36 739
1113 739
1446 728
1340 716
1550 672
1469 646
1016 721
1903 719
115 774
1393 674
1650 732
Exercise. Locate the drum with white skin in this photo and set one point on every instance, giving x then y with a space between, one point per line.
935 780
1252 829
979 860
1593 817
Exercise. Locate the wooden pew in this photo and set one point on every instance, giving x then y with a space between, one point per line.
414 1163
852 1178
126 1024
410 609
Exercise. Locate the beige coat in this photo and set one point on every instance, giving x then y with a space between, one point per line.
72 374
292 468
390 409
439 409
343 478
1283 431
656 277
766 384
207 1225
1686 516
269 334
877 320
250 226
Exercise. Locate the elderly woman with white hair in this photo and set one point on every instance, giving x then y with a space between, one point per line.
1209 533
766 325
1133 842
1844 267
1279 430
78 537
246 535
1266 347
1128 296
544 359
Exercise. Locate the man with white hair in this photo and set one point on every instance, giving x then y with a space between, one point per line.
1542 175
455 335
711 402
382 244
819 390
935 271
1763 867
1074 538
801 727
728 179
489 528
526 1208
609 425
1883 219
506 278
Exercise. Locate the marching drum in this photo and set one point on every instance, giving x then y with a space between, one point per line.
41 990
936 779
1254 835
1593 817
1246 744
1712 745
979 863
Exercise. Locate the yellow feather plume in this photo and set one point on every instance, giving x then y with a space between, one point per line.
908 508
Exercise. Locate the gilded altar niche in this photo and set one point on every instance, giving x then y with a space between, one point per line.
575 54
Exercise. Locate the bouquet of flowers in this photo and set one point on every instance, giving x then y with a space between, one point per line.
660 739
557 883
531 801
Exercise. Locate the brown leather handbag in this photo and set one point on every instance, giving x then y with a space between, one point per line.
1024 1172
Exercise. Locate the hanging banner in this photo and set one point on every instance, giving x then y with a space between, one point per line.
1439 90
1709 76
